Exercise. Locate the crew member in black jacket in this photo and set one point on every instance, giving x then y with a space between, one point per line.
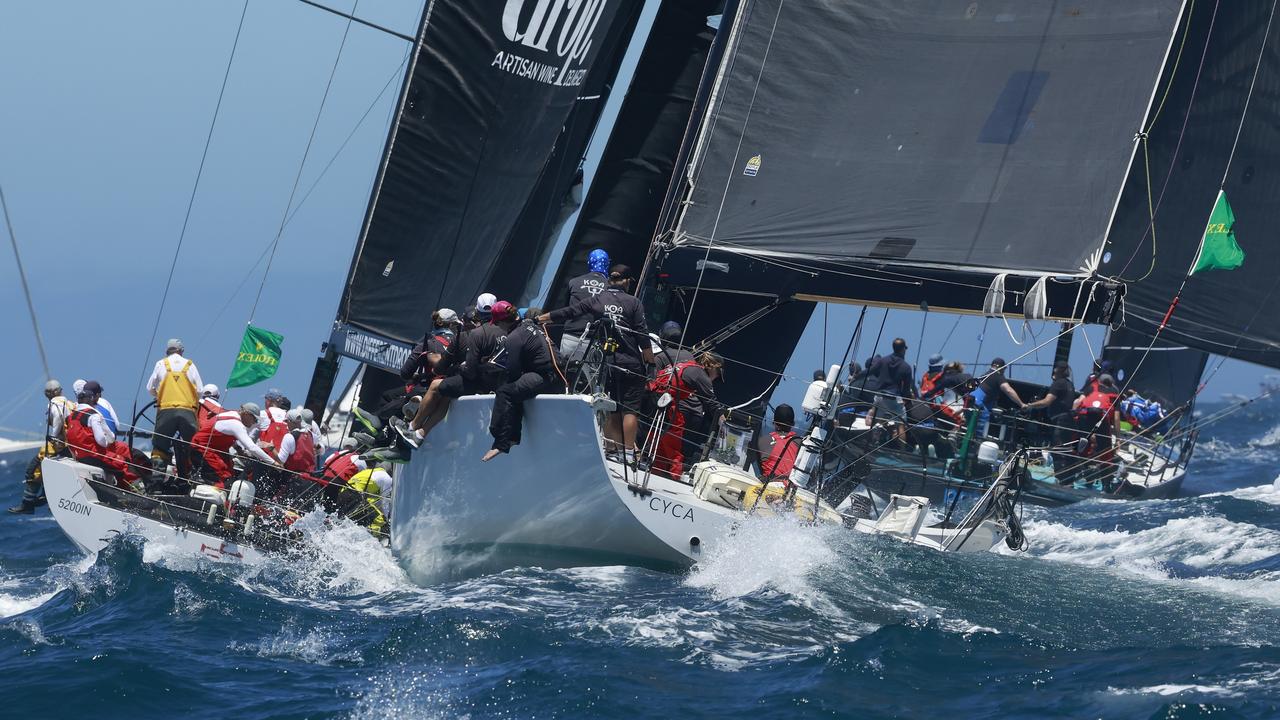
627 375
531 369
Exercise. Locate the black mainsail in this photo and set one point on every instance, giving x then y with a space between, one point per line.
485 100
896 153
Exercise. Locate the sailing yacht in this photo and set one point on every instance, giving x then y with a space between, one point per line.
987 159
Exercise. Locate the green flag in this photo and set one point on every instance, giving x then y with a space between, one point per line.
1218 249
258 359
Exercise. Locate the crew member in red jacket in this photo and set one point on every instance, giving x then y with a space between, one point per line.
779 448
214 441
92 442
684 381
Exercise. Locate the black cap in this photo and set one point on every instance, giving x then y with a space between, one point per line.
620 272
785 415
93 387
998 362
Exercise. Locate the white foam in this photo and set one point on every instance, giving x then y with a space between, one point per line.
314 646
11 605
762 553
1230 687
1269 494
1199 542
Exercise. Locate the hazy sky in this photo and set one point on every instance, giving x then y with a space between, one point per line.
104 109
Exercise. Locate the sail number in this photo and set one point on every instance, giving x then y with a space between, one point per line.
74 506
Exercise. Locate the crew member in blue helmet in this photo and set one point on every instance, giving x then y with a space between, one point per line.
581 289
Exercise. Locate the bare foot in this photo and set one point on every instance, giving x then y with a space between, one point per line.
495 452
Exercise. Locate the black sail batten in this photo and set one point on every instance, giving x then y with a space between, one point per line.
1226 312
932 139
485 100
1158 367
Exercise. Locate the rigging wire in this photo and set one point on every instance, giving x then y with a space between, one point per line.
724 196
191 201
267 246
303 164
26 289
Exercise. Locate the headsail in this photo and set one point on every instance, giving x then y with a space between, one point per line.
1163 369
1226 54
486 97
898 152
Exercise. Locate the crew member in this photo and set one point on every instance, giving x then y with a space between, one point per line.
344 464
297 451
930 381
531 369
1141 412
374 486
1058 403
671 352
573 344
425 363
484 305
210 405
475 367
891 379
686 381
986 395
778 450
1100 367
317 437
102 406
231 428
175 384
273 423
57 410
92 442
628 334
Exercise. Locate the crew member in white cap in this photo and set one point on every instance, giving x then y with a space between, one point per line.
55 435
484 305
102 406
175 384
210 405
228 430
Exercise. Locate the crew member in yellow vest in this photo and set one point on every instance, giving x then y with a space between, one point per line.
375 484
55 443
175 383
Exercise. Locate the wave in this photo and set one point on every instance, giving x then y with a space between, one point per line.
1208 552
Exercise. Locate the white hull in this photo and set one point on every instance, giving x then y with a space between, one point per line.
555 501
90 524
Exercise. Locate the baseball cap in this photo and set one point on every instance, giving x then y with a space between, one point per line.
273 394
251 408
174 345
210 390
93 387
308 416
77 386
998 362
936 360
484 303
503 311
447 316
53 386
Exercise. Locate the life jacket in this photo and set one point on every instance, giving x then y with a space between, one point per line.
1140 411
80 434
341 466
207 412
303 457
782 455
929 385
176 389
59 432
363 482
1097 402
275 430
670 379
207 438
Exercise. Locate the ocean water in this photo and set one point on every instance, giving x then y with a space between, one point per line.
1162 609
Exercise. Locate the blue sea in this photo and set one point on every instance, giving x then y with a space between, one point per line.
1161 609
